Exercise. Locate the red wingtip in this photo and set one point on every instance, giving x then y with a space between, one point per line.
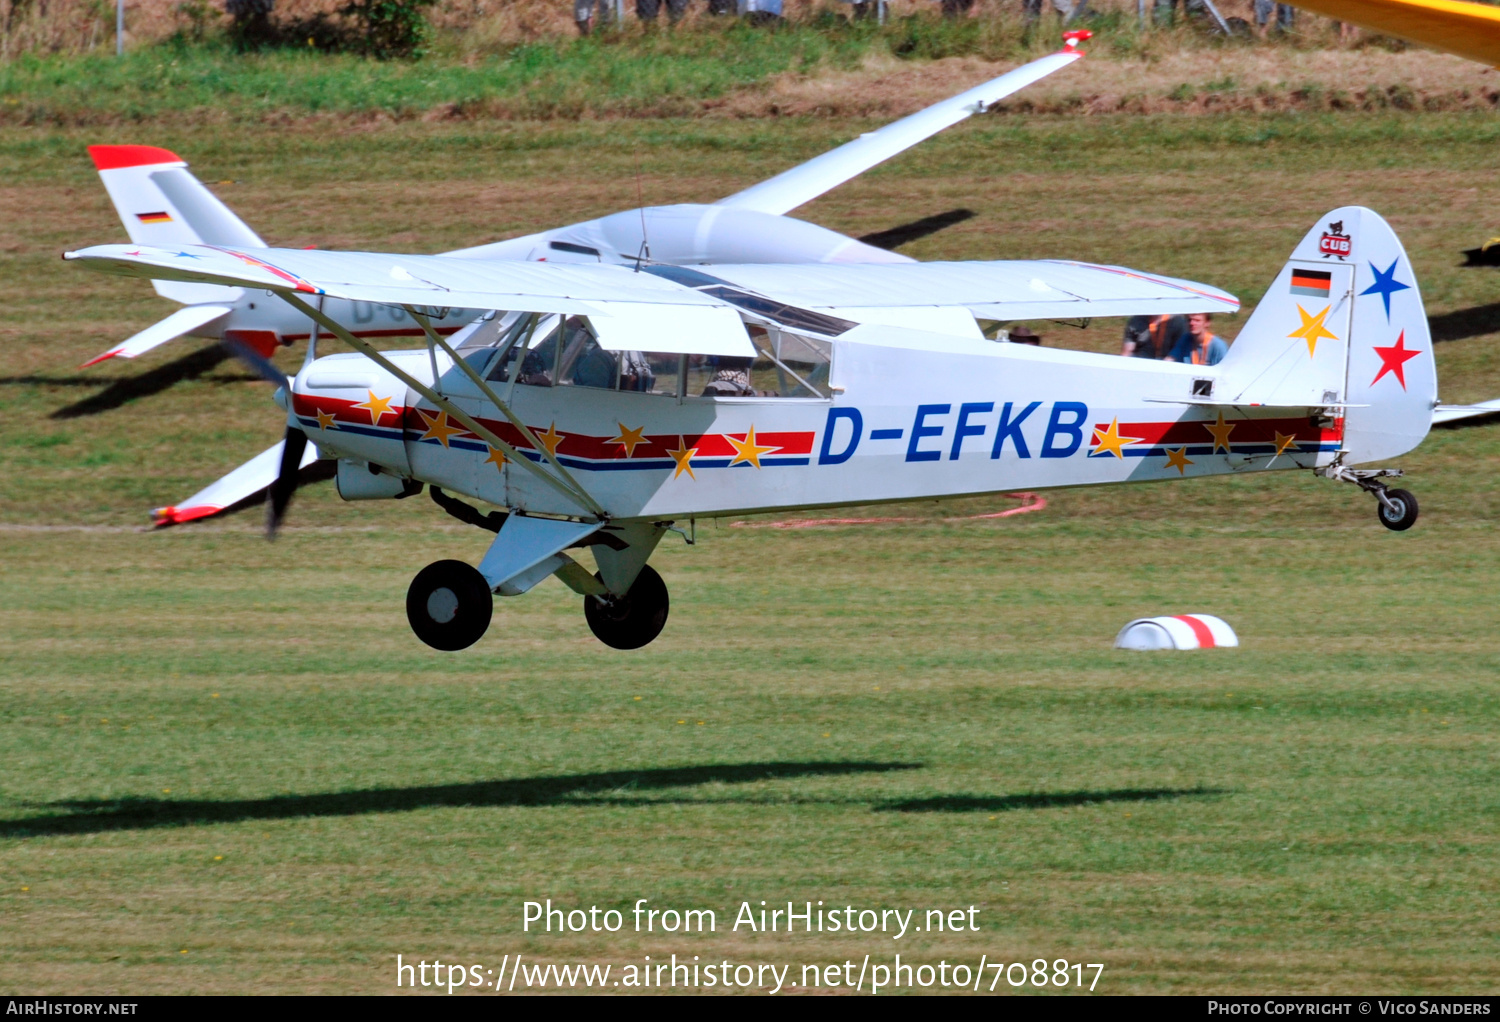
113 157
99 358
1073 37
176 516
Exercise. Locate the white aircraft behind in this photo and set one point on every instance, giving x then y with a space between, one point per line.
163 205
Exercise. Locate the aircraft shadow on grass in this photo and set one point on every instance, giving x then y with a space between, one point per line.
1041 800
1465 323
613 788
153 381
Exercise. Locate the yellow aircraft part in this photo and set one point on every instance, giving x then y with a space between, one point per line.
1467 29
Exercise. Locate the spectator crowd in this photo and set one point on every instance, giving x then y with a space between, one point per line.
591 14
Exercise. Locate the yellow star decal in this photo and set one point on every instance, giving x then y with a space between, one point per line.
1178 459
1284 440
630 438
497 458
1110 440
684 458
325 420
747 450
1312 329
1220 431
376 406
551 439
439 428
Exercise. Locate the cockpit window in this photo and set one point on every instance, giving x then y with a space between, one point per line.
786 365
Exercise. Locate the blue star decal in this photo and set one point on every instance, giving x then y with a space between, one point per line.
1385 285
189 255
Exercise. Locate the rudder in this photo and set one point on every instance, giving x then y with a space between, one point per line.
1342 327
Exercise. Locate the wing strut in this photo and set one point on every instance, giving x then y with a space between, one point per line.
484 388
567 486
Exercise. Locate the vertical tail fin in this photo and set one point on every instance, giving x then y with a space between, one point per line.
161 203
1342 325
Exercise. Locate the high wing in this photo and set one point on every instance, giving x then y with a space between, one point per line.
628 308
251 478
1467 29
790 189
999 290
184 320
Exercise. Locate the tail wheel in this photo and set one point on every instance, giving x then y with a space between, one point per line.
1402 514
633 620
449 605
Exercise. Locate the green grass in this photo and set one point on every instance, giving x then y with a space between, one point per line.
635 73
229 766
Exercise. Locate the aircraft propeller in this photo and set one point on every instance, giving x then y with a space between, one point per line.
254 360
280 493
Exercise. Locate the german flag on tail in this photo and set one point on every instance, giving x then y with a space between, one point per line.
164 217
1313 283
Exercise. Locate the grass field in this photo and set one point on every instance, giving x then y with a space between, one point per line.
230 767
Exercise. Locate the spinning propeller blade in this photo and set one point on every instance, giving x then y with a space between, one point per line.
280 493
262 366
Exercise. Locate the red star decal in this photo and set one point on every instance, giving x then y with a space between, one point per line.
1393 360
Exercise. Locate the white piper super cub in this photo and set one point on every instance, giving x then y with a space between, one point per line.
598 405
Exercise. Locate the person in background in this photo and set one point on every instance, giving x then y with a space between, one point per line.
583 14
646 10
1285 14
1165 11
1025 335
1031 10
1153 336
1201 346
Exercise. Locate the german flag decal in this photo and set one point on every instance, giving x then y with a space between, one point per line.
166 218
1313 283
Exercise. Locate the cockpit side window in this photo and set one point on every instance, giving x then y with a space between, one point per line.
785 365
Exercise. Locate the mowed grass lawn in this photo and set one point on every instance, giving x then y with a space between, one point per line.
229 766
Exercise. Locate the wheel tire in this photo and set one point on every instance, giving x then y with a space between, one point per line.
1405 515
449 605
633 620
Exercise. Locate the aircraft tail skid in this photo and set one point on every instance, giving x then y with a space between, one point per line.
1341 328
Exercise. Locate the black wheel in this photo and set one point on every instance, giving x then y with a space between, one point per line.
633 620
1400 517
449 605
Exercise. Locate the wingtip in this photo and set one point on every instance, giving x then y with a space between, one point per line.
116 157
1073 37
162 517
111 353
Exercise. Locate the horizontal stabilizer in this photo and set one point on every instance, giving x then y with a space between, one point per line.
184 320
245 482
1457 413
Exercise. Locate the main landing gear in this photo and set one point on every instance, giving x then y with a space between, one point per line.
449 605
1396 509
633 620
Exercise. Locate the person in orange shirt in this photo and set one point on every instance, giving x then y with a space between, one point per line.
1153 336
1201 346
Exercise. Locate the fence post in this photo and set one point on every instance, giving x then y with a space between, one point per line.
119 28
